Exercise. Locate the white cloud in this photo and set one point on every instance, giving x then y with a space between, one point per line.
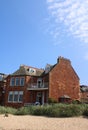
73 14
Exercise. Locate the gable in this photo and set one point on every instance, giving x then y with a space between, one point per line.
64 67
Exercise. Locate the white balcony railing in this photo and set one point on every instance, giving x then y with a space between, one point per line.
35 86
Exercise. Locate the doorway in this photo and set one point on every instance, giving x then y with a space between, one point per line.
40 97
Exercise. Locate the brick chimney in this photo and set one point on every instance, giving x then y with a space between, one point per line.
63 60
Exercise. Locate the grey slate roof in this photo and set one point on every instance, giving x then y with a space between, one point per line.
24 70
21 71
84 88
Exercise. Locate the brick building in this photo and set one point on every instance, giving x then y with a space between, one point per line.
84 93
2 88
28 85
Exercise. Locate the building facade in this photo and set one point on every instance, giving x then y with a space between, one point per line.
2 88
28 85
84 93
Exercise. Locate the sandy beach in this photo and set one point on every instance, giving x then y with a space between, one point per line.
42 123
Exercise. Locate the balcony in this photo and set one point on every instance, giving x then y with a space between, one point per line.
35 86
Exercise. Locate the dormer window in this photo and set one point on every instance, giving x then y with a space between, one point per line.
32 71
28 69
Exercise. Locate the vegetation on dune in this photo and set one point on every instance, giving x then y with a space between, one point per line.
9 110
52 110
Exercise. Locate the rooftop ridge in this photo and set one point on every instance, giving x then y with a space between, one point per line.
31 67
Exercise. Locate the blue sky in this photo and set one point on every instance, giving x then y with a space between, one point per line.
35 33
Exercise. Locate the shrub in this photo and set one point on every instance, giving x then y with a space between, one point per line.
51 100
24 111
85 113
76 102
51 112
38 111
45 111
59 110
9 110
55 110
69 111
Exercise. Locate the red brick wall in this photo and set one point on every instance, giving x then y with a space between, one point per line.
31 96
63 81
17 88
28 96
46 78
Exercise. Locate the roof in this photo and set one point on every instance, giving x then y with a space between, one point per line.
32 71
84 88
65 96
3 76
45 72
28 70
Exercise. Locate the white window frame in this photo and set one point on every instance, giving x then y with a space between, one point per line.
10 93
20 94
17 81
22 81
14 93
41 82
11 81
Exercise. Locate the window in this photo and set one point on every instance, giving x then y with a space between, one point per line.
39 94
17 83
12 81
22 81
32 71
40 83
20 96
15 96
10 97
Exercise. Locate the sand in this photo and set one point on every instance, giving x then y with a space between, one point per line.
42 123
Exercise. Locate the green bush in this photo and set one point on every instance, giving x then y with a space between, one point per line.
45 111
51 110
9 110
25 110
70 111
60 110
22 111
85 113
76 102
38 111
